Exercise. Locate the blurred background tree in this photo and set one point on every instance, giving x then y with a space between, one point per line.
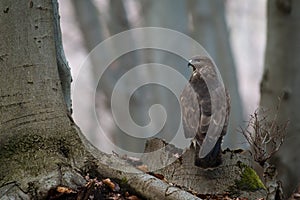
281 81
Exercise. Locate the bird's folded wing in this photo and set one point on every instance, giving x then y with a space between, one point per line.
190 111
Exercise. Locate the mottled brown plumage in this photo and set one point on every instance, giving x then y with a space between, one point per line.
205 111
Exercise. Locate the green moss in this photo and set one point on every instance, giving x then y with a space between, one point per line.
124 180
249 181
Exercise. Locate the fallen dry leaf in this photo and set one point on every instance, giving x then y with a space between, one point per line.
64 190
113 186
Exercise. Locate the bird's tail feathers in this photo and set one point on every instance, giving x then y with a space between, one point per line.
212 159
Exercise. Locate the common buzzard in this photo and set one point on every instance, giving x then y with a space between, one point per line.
205 108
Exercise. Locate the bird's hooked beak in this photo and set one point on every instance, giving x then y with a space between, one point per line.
191 65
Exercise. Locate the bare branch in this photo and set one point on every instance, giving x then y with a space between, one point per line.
265 136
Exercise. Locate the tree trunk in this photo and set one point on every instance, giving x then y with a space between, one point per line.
171 14
281 80
37 139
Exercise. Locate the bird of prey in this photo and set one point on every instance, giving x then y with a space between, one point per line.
205 108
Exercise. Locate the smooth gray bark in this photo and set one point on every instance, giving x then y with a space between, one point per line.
36 136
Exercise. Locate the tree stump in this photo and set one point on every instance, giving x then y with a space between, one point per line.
234 177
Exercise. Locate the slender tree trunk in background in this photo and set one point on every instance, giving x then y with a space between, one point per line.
170 14
281 78
118 23
210 30
86 16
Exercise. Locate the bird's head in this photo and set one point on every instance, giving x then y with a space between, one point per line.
197 62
